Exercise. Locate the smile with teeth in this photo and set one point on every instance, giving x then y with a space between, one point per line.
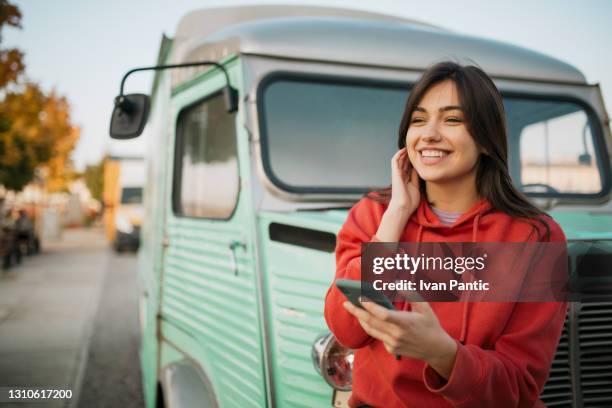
432 156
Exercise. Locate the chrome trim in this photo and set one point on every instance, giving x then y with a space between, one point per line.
320 354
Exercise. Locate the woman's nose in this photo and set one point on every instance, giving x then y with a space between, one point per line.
430 133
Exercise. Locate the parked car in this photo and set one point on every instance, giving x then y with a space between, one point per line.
243 202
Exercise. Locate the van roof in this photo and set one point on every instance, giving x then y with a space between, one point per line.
352 37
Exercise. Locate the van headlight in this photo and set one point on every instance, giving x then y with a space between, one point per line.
333 361
123 224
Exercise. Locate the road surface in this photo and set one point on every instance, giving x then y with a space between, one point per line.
68 320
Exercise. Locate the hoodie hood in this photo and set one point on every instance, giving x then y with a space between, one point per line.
424 217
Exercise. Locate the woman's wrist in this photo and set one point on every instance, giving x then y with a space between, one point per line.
400 209
444 361
392 224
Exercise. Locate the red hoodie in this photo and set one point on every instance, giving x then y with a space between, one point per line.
505 349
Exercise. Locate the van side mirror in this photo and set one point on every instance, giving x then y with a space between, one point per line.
230 95
129 116
131 111
585 159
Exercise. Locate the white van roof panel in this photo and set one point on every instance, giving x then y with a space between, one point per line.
353 37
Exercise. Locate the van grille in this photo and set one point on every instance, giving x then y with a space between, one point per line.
595 332
558 389
591 359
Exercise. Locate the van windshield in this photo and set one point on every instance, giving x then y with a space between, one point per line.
131 195
328 136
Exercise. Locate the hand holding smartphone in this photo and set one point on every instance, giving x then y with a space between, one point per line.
353 289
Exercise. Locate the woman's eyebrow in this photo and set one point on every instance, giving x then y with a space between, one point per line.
442 109
450 107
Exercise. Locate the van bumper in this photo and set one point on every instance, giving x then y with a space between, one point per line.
125 240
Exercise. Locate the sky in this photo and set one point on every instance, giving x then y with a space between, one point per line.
82 48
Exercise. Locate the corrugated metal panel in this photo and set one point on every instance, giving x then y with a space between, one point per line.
297 279
203 296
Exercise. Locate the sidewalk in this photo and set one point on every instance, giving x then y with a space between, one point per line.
47 305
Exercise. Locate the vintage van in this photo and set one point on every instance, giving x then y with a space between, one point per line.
253 164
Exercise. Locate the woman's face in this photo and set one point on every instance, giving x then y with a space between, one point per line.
439 145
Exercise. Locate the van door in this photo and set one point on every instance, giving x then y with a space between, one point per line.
210 299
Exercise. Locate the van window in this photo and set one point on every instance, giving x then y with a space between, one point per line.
336 135
331 136
206 177
557 152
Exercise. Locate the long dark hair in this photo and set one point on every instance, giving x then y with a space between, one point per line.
485 119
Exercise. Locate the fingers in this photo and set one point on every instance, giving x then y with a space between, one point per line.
413 176
417 303
388 326
362 314
422 307
401 162
376 310
398 155
354 310
380 326
405 163
373 321
396 161
389 320
379 334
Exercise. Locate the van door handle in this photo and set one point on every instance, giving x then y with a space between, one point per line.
232 247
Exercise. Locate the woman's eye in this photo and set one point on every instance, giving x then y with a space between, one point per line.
417 120
454 119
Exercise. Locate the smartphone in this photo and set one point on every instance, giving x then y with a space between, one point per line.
353 289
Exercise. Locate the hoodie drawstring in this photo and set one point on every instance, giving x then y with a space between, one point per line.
475 227
418 241
419 234
464 314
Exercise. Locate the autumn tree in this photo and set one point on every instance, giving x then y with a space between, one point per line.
35 128
94 178
23 142
55 123
11 60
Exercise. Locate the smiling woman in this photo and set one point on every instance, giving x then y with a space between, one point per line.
452 159
440 146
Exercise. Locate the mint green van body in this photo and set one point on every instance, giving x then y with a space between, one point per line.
237 246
